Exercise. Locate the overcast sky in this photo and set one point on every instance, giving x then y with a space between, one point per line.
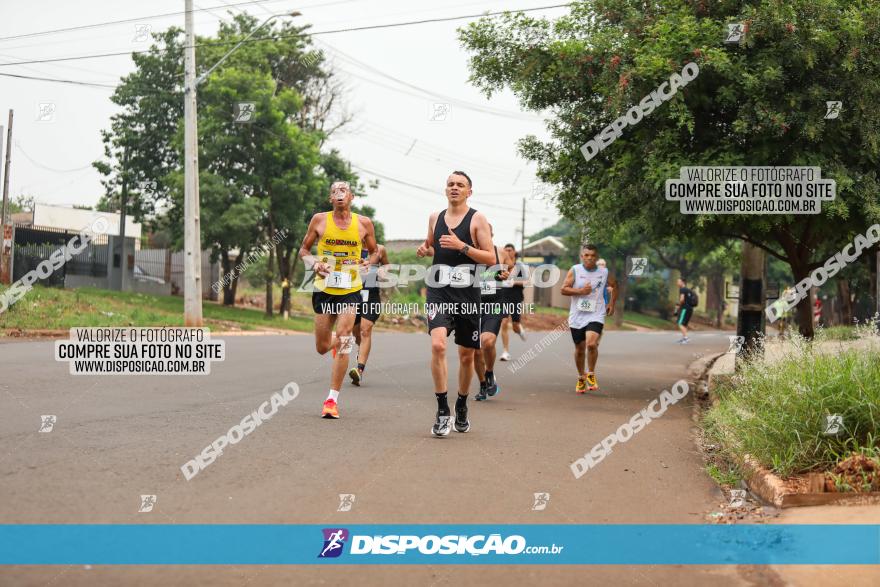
392 133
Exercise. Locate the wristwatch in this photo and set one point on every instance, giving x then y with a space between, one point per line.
465 249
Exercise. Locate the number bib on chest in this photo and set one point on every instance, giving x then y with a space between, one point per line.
487 288
339 279
586 304
455 276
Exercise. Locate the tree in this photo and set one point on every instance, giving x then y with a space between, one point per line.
759 103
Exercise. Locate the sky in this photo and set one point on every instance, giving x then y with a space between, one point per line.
415 115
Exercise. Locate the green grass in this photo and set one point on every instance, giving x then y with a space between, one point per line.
59 309
646 321
838 333
727 476
776 412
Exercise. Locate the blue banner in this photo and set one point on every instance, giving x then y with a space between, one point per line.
251 544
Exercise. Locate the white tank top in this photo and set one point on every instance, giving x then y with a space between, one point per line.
591 307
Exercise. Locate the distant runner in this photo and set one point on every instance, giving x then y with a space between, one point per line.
586 283
458 238
514 296
687 301
491 297
337 282
368 312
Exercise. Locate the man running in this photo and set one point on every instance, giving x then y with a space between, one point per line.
458 238
491 300
687 299
368 312
586 283
513 297
336 298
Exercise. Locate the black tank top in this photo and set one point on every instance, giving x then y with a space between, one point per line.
453 258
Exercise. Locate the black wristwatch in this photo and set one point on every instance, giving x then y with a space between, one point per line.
465 249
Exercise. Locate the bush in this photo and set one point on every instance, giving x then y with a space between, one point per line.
776 412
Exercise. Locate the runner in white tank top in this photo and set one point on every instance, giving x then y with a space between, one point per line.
585 284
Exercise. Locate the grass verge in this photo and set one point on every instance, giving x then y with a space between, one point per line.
778 412
59 309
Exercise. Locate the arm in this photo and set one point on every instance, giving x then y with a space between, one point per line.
612 283
483 251
568 288
305 250
427 247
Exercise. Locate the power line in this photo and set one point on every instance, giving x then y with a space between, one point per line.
60 81
123 21
279 37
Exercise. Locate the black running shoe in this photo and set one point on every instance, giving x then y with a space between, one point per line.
481 396
462 424
492 389
442 425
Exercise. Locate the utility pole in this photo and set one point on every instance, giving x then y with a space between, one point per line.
6 228
522 233
192 258
120 242
752 299
5 209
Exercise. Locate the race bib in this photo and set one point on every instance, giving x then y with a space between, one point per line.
339 279
487 288
455 276
365 295
586 304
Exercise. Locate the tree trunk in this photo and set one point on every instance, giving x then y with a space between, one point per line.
285 273
805 306
843 293
621 296
269 282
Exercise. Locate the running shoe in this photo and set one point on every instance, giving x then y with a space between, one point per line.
684 340
505 356
442 425
481 396
581 386
592 384
356 376
522 333
491 386
331 410
462 424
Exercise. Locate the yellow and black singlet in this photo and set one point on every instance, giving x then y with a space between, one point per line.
341 249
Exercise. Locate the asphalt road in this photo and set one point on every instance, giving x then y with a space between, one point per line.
118 437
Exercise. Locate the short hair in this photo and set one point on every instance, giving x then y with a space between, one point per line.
340 183
510 245
683 280
466 176
589 247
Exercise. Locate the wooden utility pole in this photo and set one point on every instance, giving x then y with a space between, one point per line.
5 225
522 234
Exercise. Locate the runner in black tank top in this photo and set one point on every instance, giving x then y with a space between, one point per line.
456 253
491 281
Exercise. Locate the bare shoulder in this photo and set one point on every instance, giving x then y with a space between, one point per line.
365 221
480 218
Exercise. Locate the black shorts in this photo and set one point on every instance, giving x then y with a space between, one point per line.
466 325
324 303
684 315
490 320
579 335
369 310
514 299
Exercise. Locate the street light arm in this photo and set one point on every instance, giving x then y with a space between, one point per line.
204 76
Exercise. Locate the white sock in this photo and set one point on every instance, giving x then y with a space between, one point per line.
334 395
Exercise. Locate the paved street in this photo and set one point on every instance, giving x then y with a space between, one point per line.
119 437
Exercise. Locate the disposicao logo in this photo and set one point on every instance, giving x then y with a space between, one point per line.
334 541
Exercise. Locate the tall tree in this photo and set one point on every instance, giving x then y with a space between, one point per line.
758 103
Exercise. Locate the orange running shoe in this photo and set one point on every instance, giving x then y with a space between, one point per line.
331 410
592 384
581 386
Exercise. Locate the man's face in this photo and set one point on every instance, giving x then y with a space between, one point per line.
589 257
511 252
340 195
457 189
680 283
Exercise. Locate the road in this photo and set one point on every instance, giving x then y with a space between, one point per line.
119 437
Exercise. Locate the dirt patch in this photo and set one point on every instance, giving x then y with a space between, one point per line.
857 474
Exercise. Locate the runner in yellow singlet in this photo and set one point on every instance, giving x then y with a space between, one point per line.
336 296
